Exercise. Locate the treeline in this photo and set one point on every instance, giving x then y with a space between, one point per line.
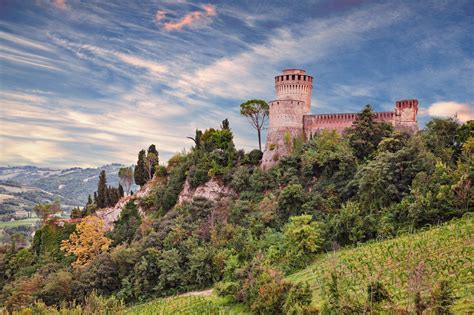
371 183
105 196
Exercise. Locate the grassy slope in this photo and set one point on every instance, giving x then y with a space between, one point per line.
9 224
446 252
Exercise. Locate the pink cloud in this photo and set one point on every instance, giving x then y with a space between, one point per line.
462 111
160 15
61 4
191 18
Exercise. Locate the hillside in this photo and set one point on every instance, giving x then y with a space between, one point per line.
23 187
214 218
444 252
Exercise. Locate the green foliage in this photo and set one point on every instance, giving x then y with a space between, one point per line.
302 238
442 251
365 134
257 112
440 136
255 156
102 196
387 178
329 158
350 225
46 241
290 202
127 224
140 174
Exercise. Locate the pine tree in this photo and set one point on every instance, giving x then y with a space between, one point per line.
140 171
89 200
95 198
102 191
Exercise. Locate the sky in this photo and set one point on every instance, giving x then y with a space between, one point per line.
87 83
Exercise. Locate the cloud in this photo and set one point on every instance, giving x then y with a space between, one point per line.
30 151
160 15
191 18
463 111
246 74
140 62
18 40
60 4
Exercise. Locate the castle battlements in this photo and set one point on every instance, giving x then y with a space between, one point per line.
289 115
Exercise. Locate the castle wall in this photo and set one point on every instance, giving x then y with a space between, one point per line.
339 122
289 116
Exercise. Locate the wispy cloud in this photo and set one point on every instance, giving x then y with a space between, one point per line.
192 18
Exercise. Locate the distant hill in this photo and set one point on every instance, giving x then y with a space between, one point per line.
21 187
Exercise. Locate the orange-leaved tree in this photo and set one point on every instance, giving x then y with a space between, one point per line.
87 242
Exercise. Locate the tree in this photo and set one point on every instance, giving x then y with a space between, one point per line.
102 190
126 178
140 170
126 226
153 160
290 201
87 242
45 210
302 238
257 112
366 133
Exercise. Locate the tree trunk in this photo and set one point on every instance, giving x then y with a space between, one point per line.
259 140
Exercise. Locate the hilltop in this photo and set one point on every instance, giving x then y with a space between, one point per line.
294 239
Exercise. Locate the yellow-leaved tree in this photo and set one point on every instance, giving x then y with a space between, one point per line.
87 242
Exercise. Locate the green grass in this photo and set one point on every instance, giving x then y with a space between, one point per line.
442 253
9 224
186 305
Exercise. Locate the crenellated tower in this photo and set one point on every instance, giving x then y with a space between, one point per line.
293 90
405 115
290 119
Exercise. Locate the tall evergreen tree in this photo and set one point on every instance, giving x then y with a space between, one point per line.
140 170
102 190
152 160
121 192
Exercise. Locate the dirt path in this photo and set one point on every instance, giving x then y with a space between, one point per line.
198 293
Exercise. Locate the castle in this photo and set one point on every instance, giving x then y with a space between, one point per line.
290 118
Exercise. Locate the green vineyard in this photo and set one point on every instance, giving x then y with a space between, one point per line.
402 265
185 305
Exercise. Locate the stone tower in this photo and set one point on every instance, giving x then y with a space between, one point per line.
293 89
405 115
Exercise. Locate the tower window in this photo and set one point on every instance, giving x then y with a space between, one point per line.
293 77
287 77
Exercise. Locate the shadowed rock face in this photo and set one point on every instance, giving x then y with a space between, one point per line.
289 116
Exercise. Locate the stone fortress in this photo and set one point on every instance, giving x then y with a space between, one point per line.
290 118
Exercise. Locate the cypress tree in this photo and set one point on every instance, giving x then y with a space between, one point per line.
153 152
140 171
102 191
121 192
95 198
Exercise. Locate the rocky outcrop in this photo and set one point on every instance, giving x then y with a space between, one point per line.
111 214
213 190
